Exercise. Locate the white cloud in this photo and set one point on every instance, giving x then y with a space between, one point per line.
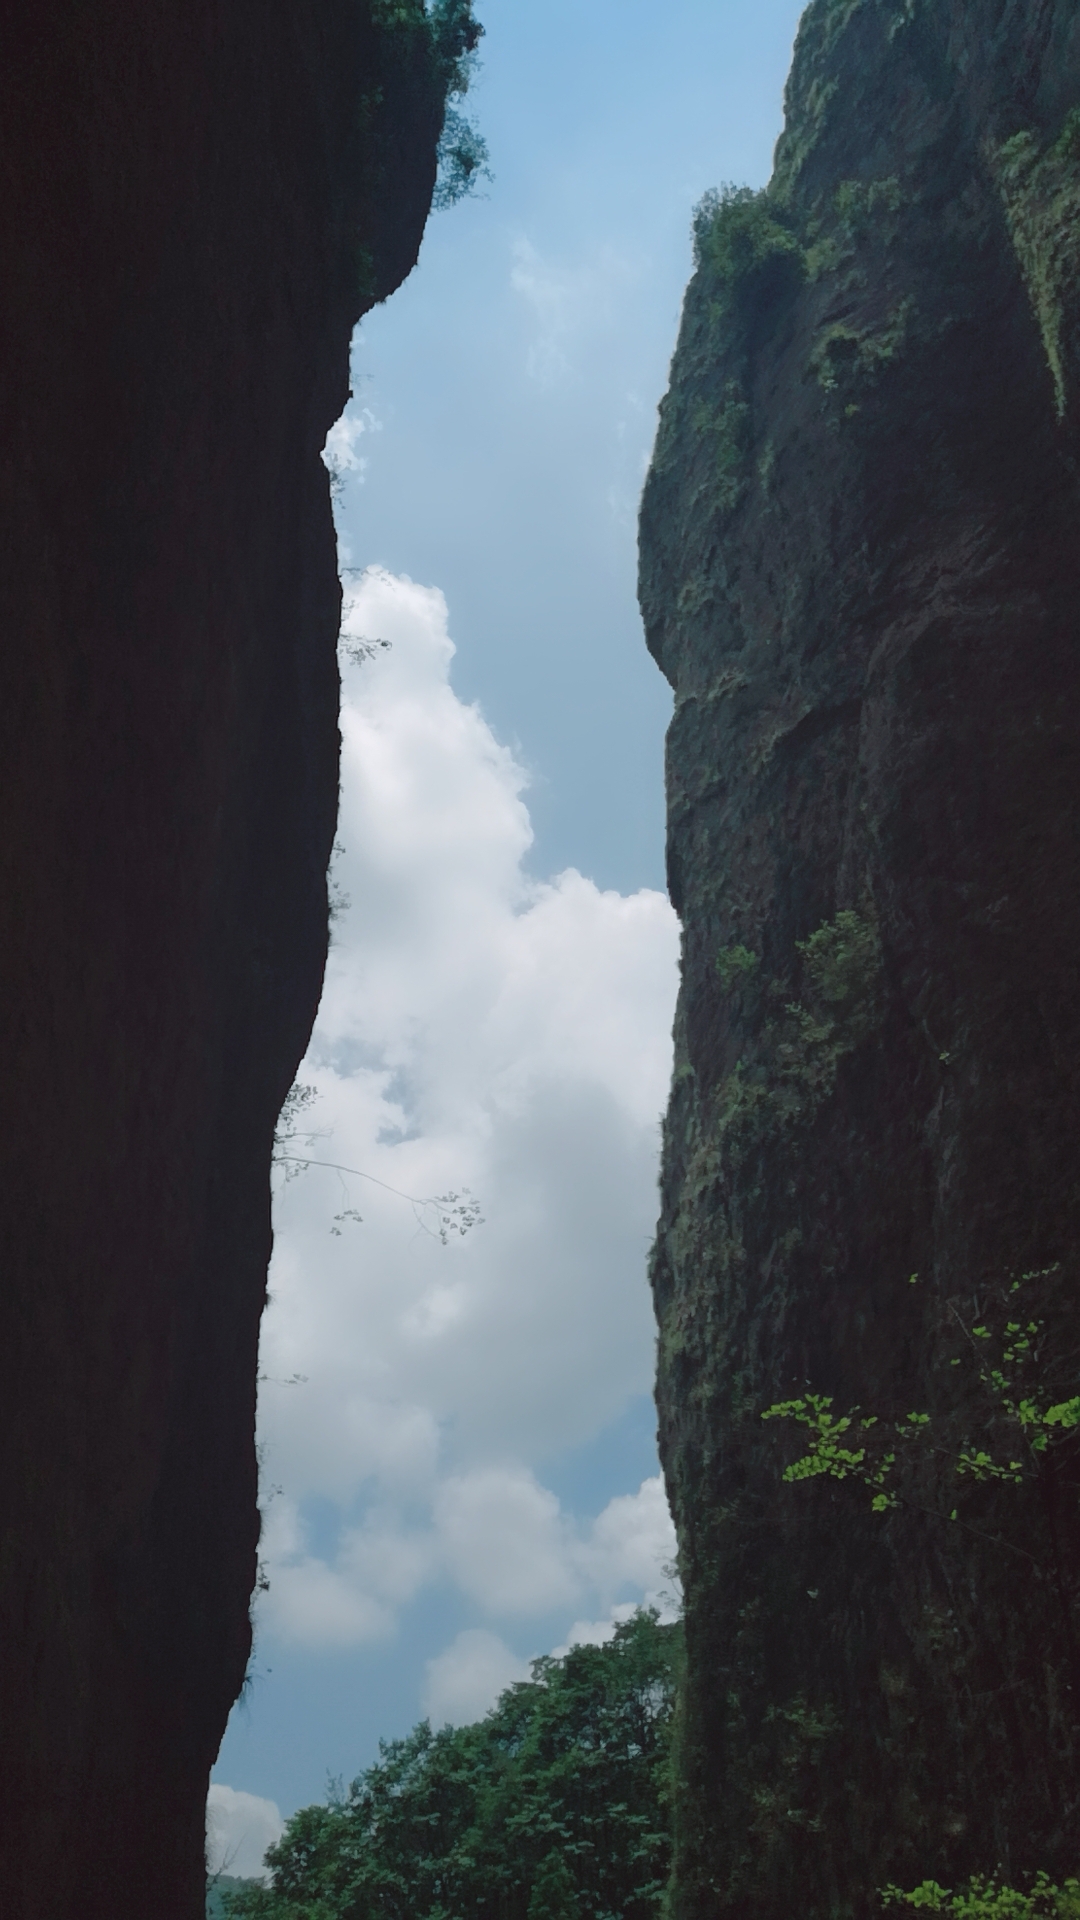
496 1533
377 1567
505 1541
239 1828
467 1679
479 1030
315 1605
339 453
594 1633
633 1540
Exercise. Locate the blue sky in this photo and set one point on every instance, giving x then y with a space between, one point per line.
465 1476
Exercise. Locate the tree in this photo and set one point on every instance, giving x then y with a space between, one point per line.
553 1896
553 1807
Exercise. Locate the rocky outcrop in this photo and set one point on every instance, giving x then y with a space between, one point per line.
860 570
199 201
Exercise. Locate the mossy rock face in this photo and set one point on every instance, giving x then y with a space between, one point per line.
860 571
1040 186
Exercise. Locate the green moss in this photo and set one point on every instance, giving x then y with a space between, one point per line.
781 1767
842 961
748 265
847 357
728 424
801 135
809 96
797 1057
695 596
860 211
857 202
801 1048
766 466
1040 189
734 965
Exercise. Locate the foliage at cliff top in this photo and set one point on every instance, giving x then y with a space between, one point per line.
453 30
453 34
735 230
554 1805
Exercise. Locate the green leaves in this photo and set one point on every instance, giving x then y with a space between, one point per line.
554 1807
450 34
463 151
987 1899
826 1455
843 963
553 1896
1008 1427
463 160
734 965
736 234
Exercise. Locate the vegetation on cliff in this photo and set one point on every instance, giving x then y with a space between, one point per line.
445 34
859 571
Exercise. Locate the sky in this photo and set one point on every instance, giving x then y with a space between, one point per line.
456 1431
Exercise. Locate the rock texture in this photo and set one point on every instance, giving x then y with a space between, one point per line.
860 570
198 202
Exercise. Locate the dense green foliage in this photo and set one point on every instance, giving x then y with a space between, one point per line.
451 34
218 1887
736 232
555 1805
985 1899
463 153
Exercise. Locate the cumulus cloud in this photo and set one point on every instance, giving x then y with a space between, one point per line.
497 1534
239 1828
505 1541
481 1034
339 454
633 1540
595 1633
467 1679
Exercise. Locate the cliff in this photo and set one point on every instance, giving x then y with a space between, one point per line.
199 202
860 571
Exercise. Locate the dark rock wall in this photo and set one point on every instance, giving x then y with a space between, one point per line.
197 203
860 570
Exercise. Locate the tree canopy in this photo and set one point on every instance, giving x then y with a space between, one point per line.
553 1807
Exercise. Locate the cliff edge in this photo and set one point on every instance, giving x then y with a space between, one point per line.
199 202
860 571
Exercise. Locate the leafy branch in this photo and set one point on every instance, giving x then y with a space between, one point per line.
1009 1429
827 1453
456 1212
987 1899
1023 1421
442 1215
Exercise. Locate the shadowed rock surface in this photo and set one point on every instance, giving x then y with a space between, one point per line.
860 570
198 202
